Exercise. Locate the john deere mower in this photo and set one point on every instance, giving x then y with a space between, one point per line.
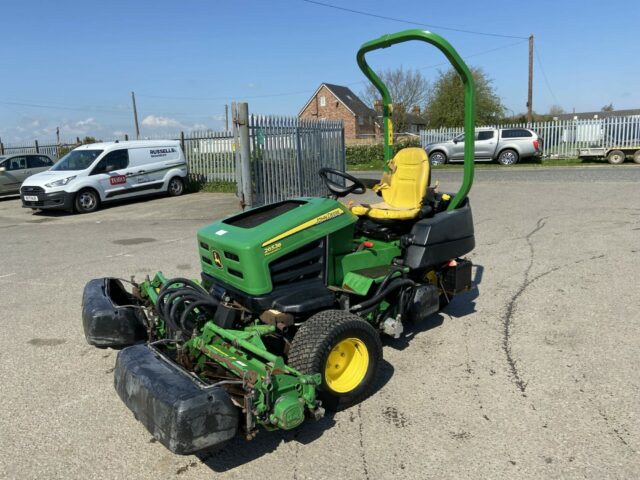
285 321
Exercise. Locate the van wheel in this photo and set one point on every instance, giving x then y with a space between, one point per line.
176 187
508 157
87 201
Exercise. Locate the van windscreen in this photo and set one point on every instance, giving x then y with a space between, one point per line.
77 160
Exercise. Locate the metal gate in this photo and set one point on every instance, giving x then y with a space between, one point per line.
287 152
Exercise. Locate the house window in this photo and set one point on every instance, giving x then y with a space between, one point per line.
323 101
361 121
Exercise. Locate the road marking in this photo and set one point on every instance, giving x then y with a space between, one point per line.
7 275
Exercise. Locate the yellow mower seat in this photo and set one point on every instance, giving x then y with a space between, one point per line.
402 190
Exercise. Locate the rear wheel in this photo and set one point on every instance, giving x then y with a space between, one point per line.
508 157
636 156
345 350
615 157
438 158
86 201
175 187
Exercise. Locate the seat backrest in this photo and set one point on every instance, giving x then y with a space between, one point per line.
409 179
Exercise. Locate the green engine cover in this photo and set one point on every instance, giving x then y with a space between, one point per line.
239 249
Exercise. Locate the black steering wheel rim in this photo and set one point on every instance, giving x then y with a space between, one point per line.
357 187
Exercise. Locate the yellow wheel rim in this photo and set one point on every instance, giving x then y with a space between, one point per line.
346 365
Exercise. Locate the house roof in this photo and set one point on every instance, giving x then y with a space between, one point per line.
347 98
600 114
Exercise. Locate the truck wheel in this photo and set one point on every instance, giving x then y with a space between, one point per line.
438 158
175 187
508 157
86 201
346 351
636 156
615 157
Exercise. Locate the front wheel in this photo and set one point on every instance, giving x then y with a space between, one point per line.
438 158
615 157
175 187
508 157
346 351
87 201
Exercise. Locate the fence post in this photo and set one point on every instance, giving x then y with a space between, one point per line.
37 147
126 137
241 122
1 148
182 142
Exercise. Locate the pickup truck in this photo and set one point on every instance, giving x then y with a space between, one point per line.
506 145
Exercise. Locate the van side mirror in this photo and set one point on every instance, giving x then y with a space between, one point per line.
455 140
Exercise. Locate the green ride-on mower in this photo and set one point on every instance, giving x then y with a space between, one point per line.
286 319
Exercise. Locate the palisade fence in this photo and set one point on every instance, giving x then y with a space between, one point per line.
562 138
287 153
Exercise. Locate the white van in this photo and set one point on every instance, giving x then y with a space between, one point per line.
101 172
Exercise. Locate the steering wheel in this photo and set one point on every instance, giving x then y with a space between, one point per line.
338 190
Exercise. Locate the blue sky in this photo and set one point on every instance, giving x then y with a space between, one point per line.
73 64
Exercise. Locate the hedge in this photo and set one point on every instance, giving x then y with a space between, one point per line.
369 154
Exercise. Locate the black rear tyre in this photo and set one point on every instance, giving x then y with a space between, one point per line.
175 187
508 157
438 158
346 351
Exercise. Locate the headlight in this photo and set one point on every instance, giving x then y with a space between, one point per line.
59 183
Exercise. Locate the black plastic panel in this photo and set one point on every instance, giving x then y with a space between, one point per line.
258 216
433 241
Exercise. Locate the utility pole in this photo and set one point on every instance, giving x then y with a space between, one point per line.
530 91
226 118
135 115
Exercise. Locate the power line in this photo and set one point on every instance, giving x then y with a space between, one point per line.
544 75
410 22
307 92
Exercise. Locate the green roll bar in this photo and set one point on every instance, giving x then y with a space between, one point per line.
445 47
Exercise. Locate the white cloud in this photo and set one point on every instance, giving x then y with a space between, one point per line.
154 121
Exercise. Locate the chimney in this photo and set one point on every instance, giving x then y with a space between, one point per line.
415 110
377 106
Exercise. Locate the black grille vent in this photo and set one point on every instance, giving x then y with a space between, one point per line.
206 260
32 190
232 256
204 245
304 263
235 273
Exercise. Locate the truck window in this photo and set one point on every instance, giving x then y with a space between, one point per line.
515 133
116 160
485 135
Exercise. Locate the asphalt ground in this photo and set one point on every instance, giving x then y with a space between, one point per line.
532 374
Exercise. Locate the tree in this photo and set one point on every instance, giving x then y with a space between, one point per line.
408 89
555 110
64 149
445 107
607 108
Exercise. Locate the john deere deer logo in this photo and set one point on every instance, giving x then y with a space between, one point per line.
217 259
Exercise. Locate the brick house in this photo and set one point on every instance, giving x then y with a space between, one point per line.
335 102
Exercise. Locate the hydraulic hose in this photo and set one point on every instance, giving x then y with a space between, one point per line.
178 298
378 297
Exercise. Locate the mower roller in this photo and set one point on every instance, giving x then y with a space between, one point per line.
286 318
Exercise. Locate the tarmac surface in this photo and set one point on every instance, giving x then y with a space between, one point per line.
532 374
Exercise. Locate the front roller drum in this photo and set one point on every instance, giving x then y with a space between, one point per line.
180 413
